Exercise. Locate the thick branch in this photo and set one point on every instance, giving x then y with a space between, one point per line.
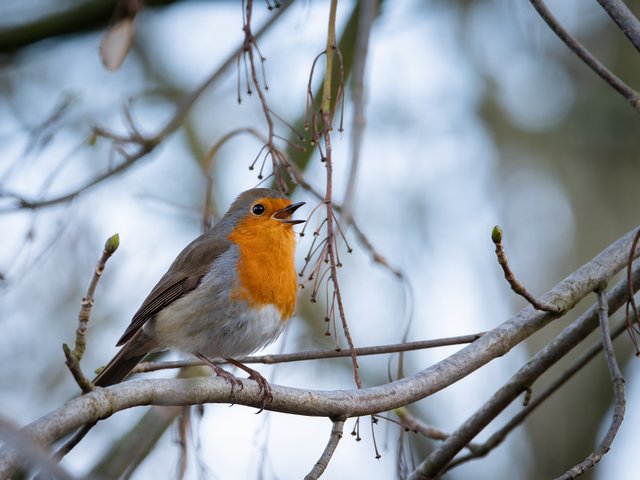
500 435
592 62
103 402
78 18
624 18
438 460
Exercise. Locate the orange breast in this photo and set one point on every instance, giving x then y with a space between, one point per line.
266 267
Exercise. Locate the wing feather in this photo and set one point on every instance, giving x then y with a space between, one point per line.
184 275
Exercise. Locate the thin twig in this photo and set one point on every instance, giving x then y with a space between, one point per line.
327 126
74 356
73 441
592 62
516 286
319 354
278 159
618 388
410 422
150 143
207 161
322 463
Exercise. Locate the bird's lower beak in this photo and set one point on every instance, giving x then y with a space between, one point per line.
284 215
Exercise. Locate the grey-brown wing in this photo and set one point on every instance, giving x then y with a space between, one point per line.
184 274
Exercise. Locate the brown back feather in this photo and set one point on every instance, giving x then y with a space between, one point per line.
183 275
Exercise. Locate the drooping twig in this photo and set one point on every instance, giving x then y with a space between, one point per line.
279 161
74 356
593 63
516 286
207 161
327 121
618 388
322 463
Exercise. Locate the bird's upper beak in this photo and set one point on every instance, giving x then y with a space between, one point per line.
284 215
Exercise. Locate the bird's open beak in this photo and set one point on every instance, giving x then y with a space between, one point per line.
284 215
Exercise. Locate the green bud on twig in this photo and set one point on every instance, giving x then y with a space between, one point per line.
496 234
112 244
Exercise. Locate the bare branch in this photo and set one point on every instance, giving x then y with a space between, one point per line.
516 286
318 354
624 18
74 356
499 436
103 402
439 459
592 62
618 388
632 328
322 463
409 421
148 145
31 453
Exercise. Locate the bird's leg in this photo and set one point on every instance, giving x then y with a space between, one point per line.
267 397
221 372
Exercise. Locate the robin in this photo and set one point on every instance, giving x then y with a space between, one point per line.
229 293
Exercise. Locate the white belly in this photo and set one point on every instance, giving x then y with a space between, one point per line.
215 328
206 320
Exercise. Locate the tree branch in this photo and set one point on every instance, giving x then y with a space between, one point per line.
32 454
439 459
74 356
618 388
322 463
318 354
509 276
145 146
104 402
499 436
624 18
80 17
592 62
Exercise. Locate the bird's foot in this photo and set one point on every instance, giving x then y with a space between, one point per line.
221 372
263 385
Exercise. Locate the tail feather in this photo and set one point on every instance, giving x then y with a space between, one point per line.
119 367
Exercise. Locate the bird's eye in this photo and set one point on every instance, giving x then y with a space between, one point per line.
258 209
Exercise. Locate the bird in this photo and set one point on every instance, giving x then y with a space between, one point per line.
229 293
